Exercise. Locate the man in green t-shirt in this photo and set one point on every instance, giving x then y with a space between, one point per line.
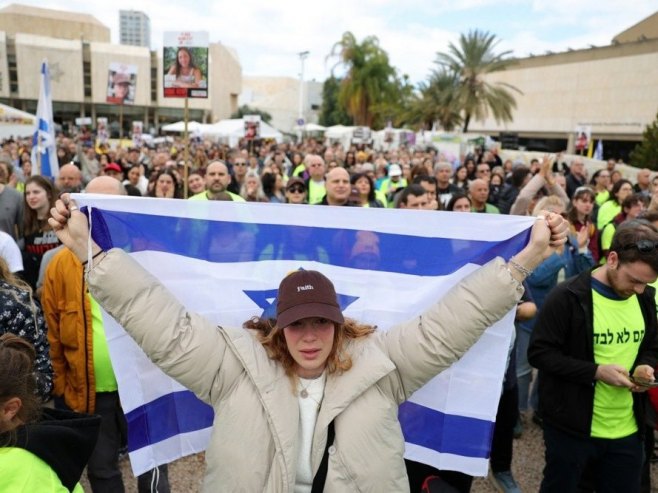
595 346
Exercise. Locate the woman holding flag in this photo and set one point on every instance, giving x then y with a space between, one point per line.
307 401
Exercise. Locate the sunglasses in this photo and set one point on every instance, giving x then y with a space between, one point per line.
643 246
296 189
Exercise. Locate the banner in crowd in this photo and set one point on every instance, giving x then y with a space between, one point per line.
185 64
102 130
137 133
225 260
583 137
251 127
121 83
44 153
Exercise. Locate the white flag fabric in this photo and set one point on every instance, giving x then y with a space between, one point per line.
43 140
225 261
598 152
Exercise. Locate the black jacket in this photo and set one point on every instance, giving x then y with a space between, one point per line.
62 439
561 347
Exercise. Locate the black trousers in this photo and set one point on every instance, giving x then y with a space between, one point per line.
103 466
503 437
615 464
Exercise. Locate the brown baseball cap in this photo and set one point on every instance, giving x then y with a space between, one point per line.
306 293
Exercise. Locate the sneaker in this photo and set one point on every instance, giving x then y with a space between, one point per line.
503 481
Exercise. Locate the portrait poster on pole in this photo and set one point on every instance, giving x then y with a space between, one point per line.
121 83
138 130
251 127
102 131
185 64
583 136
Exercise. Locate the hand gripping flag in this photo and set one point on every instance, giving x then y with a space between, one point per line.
225 260
44 153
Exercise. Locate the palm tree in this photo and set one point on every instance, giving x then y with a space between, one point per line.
438 101
369 78
472 60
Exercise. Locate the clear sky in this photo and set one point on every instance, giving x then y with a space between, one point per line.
269 35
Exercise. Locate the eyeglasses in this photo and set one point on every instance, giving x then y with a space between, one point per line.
239 164
297 189
643 246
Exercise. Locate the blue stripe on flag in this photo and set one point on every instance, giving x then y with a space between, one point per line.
189 238
182 412
165 417
446 433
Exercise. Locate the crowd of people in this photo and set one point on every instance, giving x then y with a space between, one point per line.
601 229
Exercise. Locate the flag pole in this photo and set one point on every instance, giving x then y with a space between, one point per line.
38 153
186 151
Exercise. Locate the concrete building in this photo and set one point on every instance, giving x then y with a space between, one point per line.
611 89
134 28
279 96
80 72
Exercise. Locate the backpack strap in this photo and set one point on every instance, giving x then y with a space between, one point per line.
321 475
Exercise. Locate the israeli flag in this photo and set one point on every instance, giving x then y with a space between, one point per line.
44 152
225 261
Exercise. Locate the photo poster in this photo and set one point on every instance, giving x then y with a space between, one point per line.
138 130
185 64
583 136
102 131
251 127
121 83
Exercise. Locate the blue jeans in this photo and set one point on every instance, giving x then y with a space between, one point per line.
616 464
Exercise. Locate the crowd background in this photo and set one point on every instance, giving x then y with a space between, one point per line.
595 197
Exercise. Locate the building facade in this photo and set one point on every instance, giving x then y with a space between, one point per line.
80 71
134 28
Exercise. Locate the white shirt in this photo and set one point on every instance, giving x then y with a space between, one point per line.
308 414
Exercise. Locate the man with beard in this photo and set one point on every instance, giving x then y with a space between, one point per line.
69 179
217 181
595 347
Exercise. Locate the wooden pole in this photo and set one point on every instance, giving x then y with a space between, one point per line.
186 151
120 124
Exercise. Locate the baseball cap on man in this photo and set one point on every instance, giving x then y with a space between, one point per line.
306 293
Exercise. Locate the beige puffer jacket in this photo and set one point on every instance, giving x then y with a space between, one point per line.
254 439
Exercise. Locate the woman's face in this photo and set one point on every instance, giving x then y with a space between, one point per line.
363 186
183 58
603 179
496 180
36 197
195 183
309 342
583 205
624 191
252 184
462 205
296 194
164 187
462 173
133 176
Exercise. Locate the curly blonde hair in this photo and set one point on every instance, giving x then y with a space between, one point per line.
272 338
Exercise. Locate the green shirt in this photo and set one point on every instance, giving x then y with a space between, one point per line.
316 192
607 212
602 197
103 372
204 196
618 332
23 472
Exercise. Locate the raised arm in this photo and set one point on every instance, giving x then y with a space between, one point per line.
427 345
184 345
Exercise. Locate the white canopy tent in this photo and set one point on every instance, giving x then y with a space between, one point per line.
233 130
16 123
309 128
180 127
